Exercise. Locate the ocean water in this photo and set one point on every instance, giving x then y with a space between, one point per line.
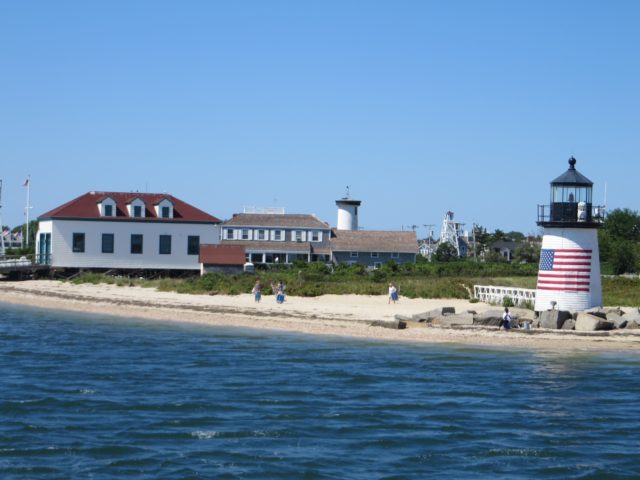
86 396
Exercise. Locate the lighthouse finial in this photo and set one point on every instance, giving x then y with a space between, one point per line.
572 163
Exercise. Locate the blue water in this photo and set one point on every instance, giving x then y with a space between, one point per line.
86 396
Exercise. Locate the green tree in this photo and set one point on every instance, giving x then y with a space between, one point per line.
445 253
527 253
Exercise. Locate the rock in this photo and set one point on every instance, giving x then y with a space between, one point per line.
619 321
597 311
587 322
553 319
450 320
632 314
402 318
632 325
393 324
569 324
489 318
427 316
615 310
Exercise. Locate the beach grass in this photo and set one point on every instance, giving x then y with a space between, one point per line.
309 283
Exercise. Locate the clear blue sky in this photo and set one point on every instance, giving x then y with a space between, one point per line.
420 106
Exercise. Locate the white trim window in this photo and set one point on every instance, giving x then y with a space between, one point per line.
377 265
298 235
353 254
245 234
395 255
315 236
277 235
228 234
260 235
375 255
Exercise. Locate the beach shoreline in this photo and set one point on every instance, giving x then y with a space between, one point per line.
328 315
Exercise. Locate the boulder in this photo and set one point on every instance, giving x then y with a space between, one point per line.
553 319
596 311
569 324
392 324
489 318
587 322
427 316
632 314
632 325
450 320
402 318
619 321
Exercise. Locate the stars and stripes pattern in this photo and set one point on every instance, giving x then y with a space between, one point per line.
565 270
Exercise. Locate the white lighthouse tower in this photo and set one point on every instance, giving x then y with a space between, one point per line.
347 213
569 271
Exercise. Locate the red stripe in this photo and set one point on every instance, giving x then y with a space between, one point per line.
548 282
564 289
569 250
583 264
573 257
571 269
577 277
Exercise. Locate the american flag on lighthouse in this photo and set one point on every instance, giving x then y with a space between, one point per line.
565 270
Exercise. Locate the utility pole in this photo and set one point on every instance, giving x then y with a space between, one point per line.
429 227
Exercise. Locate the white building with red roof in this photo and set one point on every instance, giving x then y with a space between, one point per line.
125 231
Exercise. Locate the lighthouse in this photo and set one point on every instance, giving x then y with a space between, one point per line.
569 270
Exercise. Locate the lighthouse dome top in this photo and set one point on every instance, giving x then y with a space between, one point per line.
572 176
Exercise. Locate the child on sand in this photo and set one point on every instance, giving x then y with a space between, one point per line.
393 293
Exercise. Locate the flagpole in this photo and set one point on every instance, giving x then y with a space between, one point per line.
1 227
26 209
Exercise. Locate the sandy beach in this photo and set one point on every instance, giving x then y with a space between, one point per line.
339 315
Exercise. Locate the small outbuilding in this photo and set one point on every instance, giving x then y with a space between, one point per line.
222 258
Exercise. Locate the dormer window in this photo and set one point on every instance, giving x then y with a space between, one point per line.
136 208
164 208
107 207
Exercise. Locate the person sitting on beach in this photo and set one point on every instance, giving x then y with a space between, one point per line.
257 291
506 320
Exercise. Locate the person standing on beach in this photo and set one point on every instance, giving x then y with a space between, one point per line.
280 292
257 291
393 293
506 320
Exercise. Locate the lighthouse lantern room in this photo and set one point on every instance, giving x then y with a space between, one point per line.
569 270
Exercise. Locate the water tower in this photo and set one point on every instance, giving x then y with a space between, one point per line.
347 213
569 271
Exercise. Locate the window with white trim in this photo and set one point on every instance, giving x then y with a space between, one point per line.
353 254
395 255
377 265
229 234
375 255
277 235
245 234
261 235
298 236
315 236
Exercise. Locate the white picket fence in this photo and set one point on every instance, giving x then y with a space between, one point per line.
493 294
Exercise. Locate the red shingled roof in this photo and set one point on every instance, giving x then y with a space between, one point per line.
222 255
86 207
